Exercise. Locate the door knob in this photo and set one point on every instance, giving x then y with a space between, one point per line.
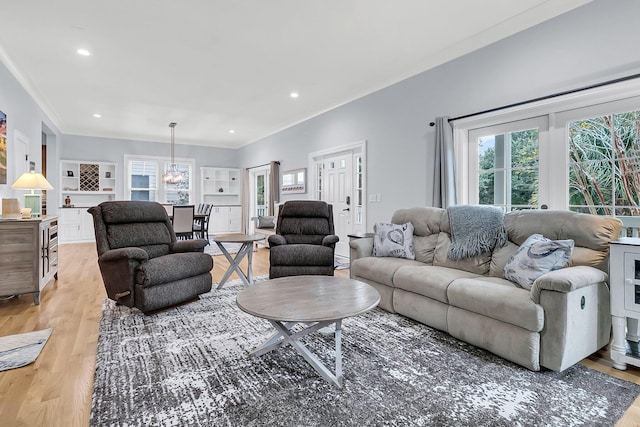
346 209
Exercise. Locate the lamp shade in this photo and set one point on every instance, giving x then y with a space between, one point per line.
32 181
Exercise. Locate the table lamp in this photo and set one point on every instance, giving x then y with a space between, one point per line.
32 181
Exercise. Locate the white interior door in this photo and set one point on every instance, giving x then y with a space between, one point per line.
20 155
337 189
258 195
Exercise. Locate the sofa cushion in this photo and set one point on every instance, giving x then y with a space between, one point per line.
379 270
266 222
430 281
498 299
426 221
536 256
478 264
500 257
172 268
425 247
591 233
393 240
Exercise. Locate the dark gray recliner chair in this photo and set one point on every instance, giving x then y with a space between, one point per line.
304 243
142 263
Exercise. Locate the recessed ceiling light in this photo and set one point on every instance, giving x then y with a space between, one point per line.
83 52
294 94
97 116
232 131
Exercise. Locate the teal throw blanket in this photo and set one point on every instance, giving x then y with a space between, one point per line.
475 230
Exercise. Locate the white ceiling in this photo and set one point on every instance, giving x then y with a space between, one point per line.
214 65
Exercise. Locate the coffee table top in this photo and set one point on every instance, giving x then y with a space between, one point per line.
237 238
308 298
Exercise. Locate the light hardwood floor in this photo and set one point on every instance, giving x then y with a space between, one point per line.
56 389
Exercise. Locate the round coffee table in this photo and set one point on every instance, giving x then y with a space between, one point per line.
312 301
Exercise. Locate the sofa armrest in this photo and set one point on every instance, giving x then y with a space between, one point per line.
566 280
276 240
127 253
330 240
361 248
118 269
193 245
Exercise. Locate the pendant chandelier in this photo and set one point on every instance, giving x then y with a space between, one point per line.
172 175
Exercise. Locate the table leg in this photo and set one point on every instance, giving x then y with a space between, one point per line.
249 259
284 332
234 263
618 347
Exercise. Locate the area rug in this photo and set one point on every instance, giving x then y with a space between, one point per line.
190 366
20 350
213 249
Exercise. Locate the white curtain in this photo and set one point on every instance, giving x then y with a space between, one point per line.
444 176
245 200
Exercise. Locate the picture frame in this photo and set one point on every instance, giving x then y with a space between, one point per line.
294 181
107 174
70 173
3 148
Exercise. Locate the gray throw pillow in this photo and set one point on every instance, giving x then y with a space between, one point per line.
393 240
536 256
266 222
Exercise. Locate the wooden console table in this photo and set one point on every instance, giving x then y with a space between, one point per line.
28 255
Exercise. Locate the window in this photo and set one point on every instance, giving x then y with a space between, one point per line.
604 164
359 190
506 165
144 180
588 153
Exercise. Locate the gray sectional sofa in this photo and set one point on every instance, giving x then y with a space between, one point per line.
563 318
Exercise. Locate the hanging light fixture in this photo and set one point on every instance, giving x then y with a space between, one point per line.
172 175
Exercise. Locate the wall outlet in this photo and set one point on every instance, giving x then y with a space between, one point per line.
372 198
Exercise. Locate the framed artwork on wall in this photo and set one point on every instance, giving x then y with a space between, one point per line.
3 148
293 181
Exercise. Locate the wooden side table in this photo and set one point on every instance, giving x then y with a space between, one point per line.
624 268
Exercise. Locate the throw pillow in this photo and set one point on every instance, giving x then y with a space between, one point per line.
393 240
536 256
266 222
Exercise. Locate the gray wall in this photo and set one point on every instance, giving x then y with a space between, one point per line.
593 43
25 116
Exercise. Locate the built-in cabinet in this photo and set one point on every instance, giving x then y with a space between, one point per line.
222 189
83 184
225 219
28 255
76 225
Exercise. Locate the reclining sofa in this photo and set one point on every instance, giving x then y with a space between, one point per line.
562 319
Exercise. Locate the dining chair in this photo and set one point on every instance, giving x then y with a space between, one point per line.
169 208
183 221
201 225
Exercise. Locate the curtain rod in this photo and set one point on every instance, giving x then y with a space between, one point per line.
266 164
543 98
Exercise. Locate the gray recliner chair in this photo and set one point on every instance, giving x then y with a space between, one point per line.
141 262
304 243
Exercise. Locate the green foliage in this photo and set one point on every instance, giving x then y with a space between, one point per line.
604 166
522 170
